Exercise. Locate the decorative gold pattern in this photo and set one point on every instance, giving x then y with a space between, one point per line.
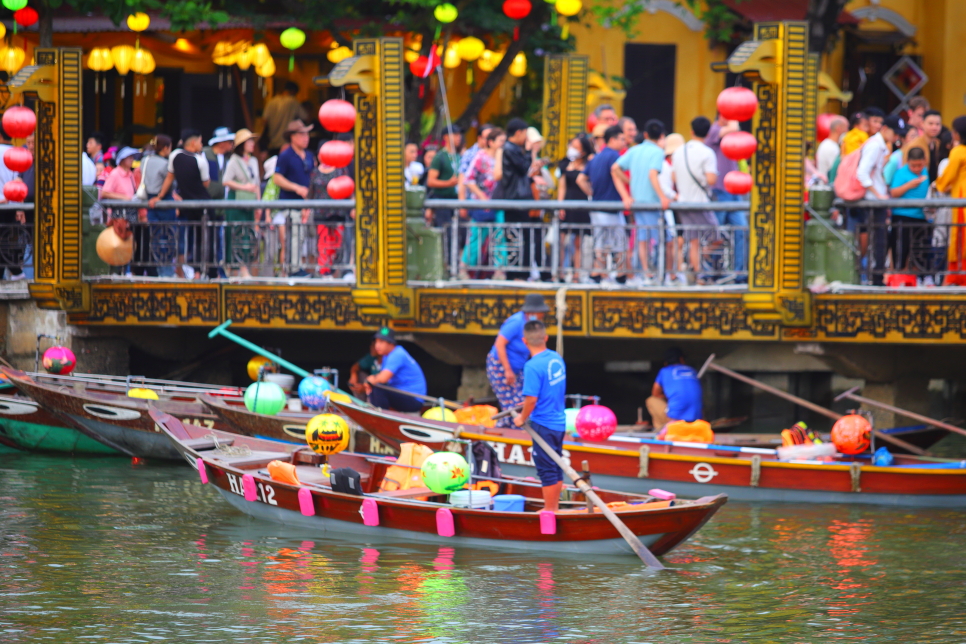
182 304
46 220
791 166
484 311
295 307
391 179
69 162
367 192
715 316
564 100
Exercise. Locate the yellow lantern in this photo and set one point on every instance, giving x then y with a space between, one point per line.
567 8
489 60
518 67
224 53
11 60
410 56
260 54
244 60
267 70
451 59
123 55
470 48
138 22
100 60
338 54
3 30
143 62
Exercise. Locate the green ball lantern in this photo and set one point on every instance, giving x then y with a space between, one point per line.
445 13
292 38
14 5
571 423
445 472
264 398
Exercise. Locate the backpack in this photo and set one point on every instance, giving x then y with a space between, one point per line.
847 186
346 480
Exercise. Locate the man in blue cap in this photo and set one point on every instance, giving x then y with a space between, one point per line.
504 362
399 370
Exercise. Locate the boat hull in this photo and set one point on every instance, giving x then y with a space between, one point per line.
27 426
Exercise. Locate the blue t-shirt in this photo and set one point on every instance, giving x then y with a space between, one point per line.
682 390
545 376
406 372
516 350
295 169
903 176
640 160
598 170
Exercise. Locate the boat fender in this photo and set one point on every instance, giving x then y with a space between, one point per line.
306 504
444 523
664 495
370 512
202 470
548 522
248 485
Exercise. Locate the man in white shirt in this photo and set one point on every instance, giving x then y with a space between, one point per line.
88 170
828 150
872 162
694 167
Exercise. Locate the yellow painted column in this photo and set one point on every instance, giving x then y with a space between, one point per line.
564 101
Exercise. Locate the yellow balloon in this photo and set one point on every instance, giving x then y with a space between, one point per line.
257 363
470 48
440 413
568 7
140 392
519 65
327 434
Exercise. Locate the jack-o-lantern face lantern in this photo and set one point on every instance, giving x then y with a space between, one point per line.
327 434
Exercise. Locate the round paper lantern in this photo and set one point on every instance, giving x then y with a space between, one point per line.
336 396
267 70
336 153
14 5
445 472
516 9
737 103
259 364
15 190
337 115
143 62
312 392
440 413
260 54
571 415
568 7
18 159
142 393
341 187
823 126
19 122
138 22
595 423
445 13
451 59
113 250
100 60
59 361
11 60
470 48
737 182
339 54
123 55
518 67
739 145
327 434
292 38
850 434
264 398
418 66
26 16
489 60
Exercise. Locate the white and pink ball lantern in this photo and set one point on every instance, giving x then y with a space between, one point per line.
595 423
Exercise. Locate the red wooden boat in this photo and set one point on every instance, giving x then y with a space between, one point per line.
633 464
235 466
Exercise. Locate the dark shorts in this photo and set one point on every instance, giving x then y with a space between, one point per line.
547 470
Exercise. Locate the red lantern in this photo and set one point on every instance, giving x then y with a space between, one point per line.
26 16
19 122
418 66
337 115
341 187
18 159
737 103
737 183
591 122
15 190
738 145
850 434
517 9
336 153
823 126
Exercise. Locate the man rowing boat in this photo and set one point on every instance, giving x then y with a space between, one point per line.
504 362
544 386
676 394
399 370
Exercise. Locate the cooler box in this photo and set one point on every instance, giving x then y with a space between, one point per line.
481 499
508 503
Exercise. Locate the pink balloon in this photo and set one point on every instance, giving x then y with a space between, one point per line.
595 423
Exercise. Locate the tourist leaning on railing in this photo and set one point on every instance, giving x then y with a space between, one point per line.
154 169
292 172
953 181
870 173
329 224
241 179
511 170
577 233
480 183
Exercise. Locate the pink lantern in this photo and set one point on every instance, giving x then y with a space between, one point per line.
737 182
15 190
595 423
737 103
336 153
738 145
19 122
59 361
18 159
341 187
337 115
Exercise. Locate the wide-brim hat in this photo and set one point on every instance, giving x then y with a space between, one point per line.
243 135
672 142
221 135
298 126
126 152
534 303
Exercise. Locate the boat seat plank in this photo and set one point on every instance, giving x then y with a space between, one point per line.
411 493
201 444
252 461
313 476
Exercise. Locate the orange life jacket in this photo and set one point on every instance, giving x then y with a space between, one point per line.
698 431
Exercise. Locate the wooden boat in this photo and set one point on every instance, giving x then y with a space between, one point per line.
235 466
631 464
110 417
285 426
27 426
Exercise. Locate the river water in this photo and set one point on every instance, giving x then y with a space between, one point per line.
104 550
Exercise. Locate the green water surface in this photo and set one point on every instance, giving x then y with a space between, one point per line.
103 550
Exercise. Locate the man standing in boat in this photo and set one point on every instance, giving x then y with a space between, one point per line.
399 370
504 362
544 386
676 394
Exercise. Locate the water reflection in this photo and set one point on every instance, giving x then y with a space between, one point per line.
107 551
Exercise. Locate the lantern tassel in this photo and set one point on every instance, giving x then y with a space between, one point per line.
516 33
422 90
565 31
439 30
469 75
291 62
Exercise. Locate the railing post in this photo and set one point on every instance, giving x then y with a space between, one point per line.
554 247
204 243
454 246
661 248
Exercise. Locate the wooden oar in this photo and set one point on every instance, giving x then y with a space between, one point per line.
639 548
850 394
801 402
446 403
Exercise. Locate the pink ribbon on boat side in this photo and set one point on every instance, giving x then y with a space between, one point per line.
548 522
306 504
248 485
202 470
444 523
370 512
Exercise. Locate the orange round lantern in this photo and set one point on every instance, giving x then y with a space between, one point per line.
850 434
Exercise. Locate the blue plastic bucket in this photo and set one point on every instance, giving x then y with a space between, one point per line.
508 502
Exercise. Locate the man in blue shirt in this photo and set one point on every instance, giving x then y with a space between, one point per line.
504 362
596 180
644 162
544 386
676 394
911 181
399 370
293 171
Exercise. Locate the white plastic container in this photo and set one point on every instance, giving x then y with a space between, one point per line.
481 499
284 380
